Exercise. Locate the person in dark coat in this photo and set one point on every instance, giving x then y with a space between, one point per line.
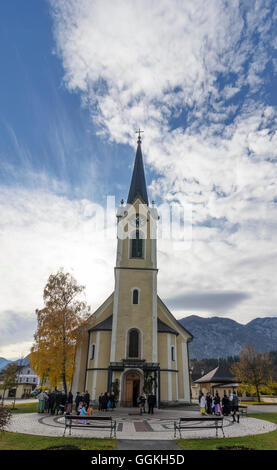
58 397
217 404
86 399
100 399
235 407
105 400
226 405
78 398
151 403
62 403
69 402
209 401
51 402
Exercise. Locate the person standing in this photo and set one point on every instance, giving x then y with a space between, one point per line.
112 400
141 403
217 404
105 400
225 405
235 407
51 402
151 403
41 401
77 401
69 403
100 399
86 399
202 404
209 403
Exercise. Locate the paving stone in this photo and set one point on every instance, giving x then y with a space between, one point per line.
158 427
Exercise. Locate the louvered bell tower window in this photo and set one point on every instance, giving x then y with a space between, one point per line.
137 246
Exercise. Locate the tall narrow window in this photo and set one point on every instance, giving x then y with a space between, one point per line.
135 296
172 353
92 351
133 350
137 246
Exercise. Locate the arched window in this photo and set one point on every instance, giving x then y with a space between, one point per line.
137 245
135 296
133 344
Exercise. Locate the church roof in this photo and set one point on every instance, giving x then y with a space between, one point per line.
220 375
138 184
106 325
164 328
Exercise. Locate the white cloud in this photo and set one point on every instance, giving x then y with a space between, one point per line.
141 63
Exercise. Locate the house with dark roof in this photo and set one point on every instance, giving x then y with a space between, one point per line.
219 379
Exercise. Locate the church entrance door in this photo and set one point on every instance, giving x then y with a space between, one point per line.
132 388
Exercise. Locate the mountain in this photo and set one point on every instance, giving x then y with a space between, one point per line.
222 337
21 362
3 362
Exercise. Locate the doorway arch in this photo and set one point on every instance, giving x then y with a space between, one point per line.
132 386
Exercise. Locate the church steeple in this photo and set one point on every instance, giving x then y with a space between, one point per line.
138 184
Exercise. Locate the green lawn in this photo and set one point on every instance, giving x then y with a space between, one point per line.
16 441
24 408
260 441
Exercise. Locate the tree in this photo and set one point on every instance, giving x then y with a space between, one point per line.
9 378
5 416
60 326
253 368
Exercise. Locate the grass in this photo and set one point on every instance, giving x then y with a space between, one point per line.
24 408
266 441
16 441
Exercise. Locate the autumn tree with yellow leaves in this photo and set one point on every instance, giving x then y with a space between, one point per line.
253 368
61 324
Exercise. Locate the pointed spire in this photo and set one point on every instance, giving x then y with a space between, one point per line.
138 184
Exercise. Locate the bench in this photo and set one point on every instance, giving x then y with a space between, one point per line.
212 422
243 409
90 422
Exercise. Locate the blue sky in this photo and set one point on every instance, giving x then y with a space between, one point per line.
44 128
78 79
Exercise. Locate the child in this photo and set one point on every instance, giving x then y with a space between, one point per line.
82 412
90 410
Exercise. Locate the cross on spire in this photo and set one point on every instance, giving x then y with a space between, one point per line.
139 137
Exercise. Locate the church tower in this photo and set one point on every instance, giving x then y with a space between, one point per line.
135 344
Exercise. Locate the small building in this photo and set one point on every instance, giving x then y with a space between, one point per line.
27 381
218 380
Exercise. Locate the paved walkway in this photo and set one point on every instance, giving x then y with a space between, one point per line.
132 426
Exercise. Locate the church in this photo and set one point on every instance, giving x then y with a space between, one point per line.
133 342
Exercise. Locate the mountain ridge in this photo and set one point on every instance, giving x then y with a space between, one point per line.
215 337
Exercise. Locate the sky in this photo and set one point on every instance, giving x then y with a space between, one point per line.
78 79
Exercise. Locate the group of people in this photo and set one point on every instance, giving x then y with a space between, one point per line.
57 402
106 401
226 406
54 402
151 401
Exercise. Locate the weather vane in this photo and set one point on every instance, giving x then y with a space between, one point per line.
139 137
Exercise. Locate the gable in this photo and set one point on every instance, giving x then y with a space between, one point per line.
102 313
166 316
